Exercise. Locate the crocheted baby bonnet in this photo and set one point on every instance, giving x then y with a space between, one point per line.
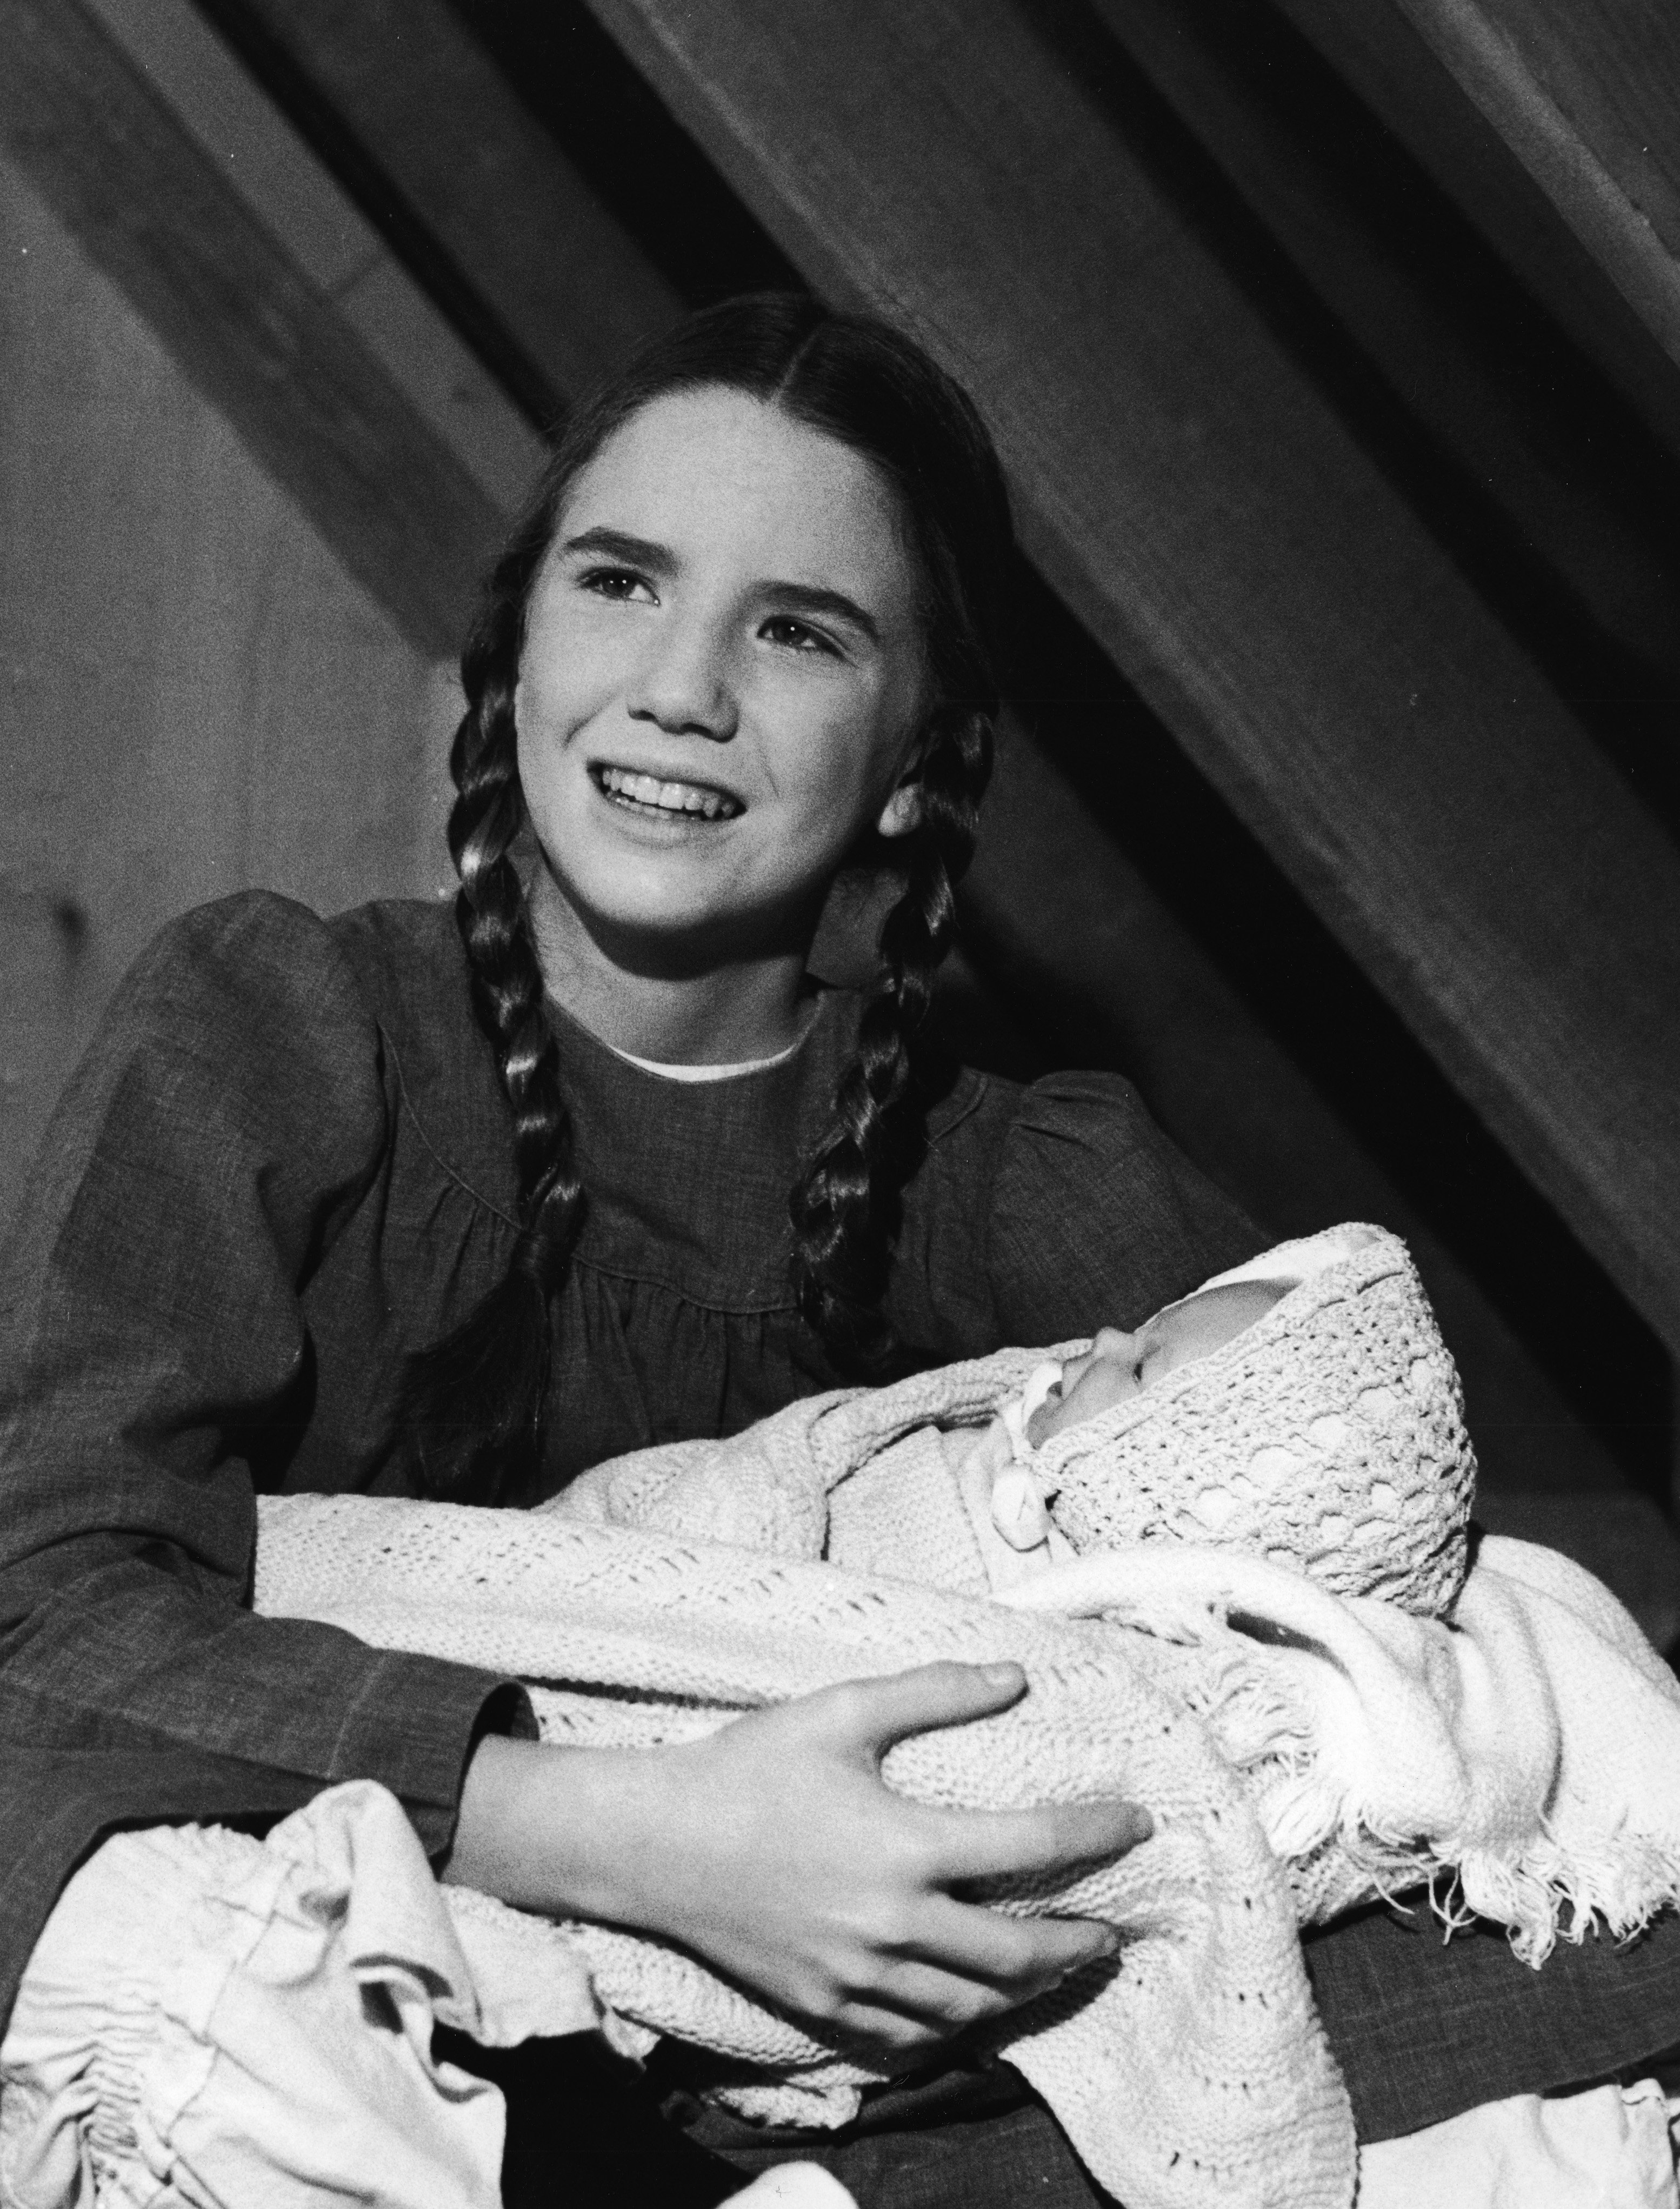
1328 1436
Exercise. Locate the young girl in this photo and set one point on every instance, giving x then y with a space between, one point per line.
389 1205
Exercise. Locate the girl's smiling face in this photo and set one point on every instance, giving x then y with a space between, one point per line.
722 679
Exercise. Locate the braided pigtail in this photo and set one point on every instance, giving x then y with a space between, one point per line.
474 1404
888 401
845 1209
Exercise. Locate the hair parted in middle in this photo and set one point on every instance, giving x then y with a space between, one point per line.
473 1403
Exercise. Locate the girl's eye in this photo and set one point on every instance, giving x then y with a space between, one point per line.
794 636
619 584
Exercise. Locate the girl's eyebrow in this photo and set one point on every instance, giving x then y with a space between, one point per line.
812 598
619 545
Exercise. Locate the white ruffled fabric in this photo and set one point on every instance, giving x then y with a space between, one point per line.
210 2021
1605 2147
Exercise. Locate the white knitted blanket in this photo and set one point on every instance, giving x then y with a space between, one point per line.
1190 2072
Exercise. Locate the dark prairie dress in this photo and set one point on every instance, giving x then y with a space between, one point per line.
285 1167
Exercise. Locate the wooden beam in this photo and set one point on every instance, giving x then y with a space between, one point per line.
1520 457
467 184
259 155
1195 501
266 345
1401 80
1586 95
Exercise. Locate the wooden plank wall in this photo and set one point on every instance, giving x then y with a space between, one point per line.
198 695
233 547
149 206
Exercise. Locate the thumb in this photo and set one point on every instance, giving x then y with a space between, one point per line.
870 1715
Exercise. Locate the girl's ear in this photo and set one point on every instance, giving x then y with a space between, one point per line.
902 812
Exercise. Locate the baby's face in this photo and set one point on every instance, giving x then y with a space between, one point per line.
1118 1365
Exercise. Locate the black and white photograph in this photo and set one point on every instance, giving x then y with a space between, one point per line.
839 1104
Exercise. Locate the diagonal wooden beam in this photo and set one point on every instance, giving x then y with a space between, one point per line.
265 345
1586 95
1529 464
422 127
1376 50
1194 500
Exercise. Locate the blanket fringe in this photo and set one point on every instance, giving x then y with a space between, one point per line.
1546 1893
1549 1893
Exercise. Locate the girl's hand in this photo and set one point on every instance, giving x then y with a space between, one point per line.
774 1850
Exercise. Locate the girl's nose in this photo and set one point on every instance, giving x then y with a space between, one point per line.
684 688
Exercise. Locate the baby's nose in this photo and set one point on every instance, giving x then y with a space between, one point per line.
1109 1339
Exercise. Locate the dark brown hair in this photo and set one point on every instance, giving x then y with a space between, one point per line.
474 1406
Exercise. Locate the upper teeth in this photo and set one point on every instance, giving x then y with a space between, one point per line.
674 796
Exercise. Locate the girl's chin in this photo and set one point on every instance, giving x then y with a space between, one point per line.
652 908
686 906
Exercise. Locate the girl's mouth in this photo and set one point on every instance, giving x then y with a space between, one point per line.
654 799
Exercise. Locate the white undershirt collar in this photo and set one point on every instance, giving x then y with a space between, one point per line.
667 1072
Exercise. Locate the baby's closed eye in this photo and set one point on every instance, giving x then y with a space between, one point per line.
1089 1385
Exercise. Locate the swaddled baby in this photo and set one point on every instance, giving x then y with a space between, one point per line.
1301 1407
1271 1479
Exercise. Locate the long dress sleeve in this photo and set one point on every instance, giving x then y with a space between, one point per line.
155 1365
